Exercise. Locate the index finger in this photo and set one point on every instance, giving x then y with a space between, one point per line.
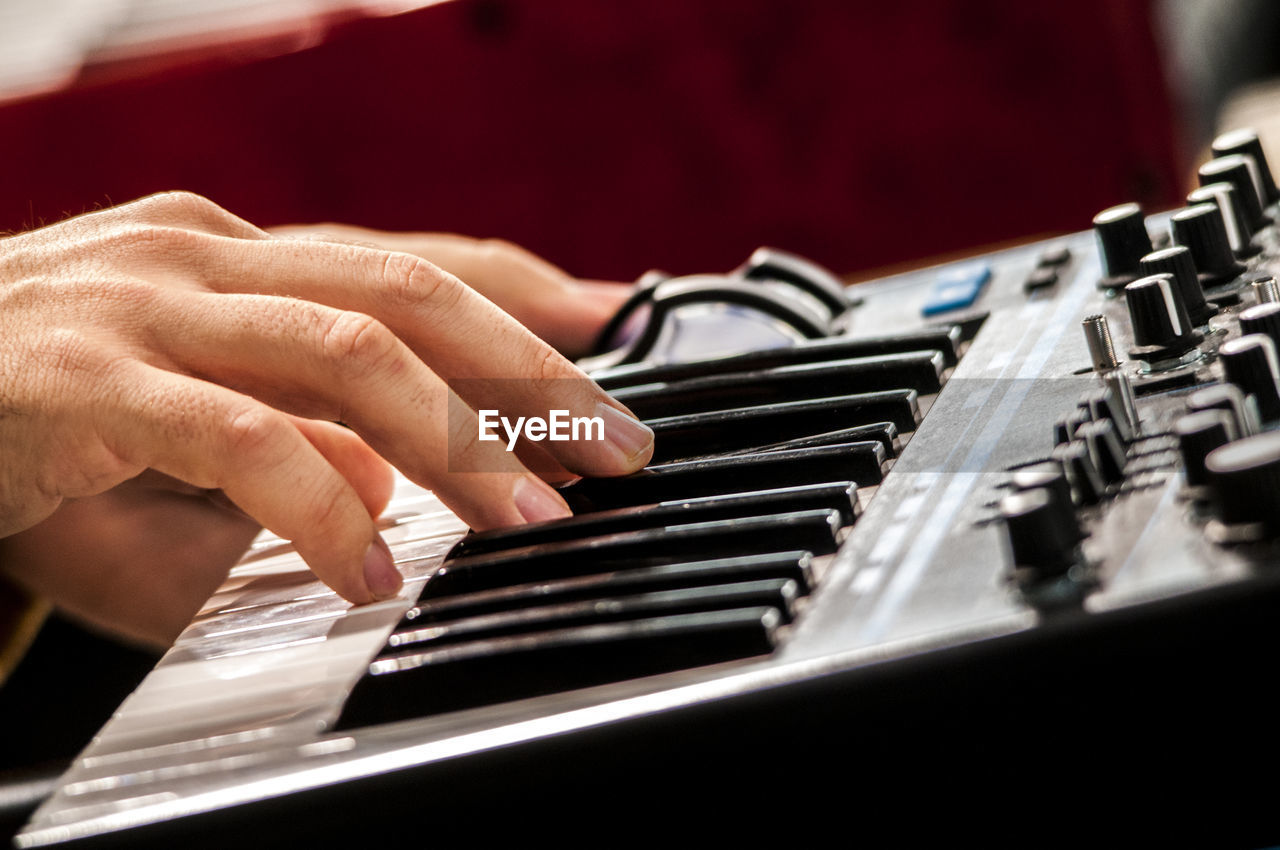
495 363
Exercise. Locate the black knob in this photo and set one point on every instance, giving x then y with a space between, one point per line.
1044 533
1249 362
1239 230
1202 230
1105 449
1102 404
1064 430
1199 434
1262 319
1240 171
1177 261
1245 480
1122 243
1246 141
1158 316
1044 476
1228 398
1086 482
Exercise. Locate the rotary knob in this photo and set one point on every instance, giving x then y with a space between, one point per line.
1043 533
1239 229
1246 141
1122 243
1262 319
1250 363
1105 449
1087 485
1242 173
1047 476
1245 481
1228 398
1202 230
1101 405
1198 435
1161 329
1177 261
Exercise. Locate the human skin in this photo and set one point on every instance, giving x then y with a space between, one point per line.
171 376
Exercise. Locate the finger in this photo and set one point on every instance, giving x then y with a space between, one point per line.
566 312
370 475
322 363
183 210
212 437
492 361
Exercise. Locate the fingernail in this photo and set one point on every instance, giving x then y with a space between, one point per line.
537 502
380 571
628 435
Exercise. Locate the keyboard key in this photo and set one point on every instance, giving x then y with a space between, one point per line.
750 428
780 594
840 496
784 384
883 433
795 566
814 531
862 463
944 340
502 669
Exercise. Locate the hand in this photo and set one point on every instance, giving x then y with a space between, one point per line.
169 335
566 312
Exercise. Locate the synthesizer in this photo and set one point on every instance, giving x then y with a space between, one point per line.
996 537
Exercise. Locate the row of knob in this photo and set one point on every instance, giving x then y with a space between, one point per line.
1218 225
1229 461
1165 289
1088 460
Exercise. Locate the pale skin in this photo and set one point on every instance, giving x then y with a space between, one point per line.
170 376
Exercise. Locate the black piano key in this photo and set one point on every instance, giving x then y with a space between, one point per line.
767 386
839 496
944 341
861 463
746 428
883 433
795 566
814 531
780 594
503 669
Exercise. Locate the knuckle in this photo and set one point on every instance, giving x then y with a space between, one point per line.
411 281
180 201
252 433
548 367
511 259
134 237
328 512
66 352
93 470
358 343
131 293
503 252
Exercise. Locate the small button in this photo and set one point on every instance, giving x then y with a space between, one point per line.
956 289
1039 279
1056 256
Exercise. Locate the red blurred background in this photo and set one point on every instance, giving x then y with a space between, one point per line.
620 136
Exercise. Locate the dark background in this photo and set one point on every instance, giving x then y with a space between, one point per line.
621 136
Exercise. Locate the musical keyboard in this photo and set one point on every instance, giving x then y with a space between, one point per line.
953 540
